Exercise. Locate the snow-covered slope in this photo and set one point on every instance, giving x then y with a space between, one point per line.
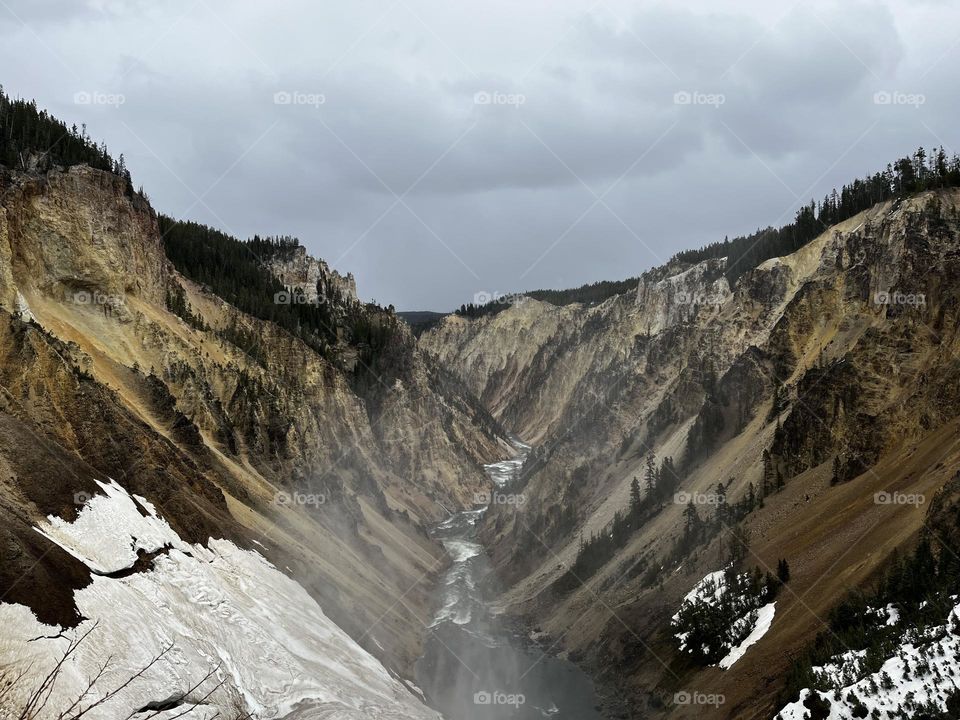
741 609
922 673
267 646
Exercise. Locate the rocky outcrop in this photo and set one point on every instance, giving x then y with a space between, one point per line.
298 270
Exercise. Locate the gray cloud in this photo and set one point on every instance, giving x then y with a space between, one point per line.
504 197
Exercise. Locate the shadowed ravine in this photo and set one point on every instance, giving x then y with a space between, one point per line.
474 665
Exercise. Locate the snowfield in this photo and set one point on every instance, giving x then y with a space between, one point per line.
924 669
217 609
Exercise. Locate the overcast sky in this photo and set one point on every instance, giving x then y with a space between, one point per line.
439 149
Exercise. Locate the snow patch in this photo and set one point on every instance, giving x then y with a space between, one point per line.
214 606
893 615
760 627
109 530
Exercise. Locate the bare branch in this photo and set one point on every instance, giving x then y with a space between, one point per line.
120 687
41 695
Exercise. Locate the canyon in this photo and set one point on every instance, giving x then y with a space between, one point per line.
187 481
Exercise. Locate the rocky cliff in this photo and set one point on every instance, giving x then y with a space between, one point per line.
817 381
275 450
300 271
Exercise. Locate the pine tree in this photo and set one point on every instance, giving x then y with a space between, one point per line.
691 524
777 405
651 480
722 509
635 499
783 571
837 470
769 480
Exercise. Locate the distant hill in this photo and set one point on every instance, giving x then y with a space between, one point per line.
421 320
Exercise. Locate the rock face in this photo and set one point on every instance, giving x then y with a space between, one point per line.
852 337
298 270
278 453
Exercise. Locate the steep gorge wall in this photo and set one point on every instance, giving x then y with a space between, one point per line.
688 367
99 379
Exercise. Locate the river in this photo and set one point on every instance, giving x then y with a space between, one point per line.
475 666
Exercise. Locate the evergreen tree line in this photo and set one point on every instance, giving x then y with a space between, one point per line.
24 130
908 175
921 171
178 304
235 271
474 311
599 548
281 246
922 587
587 294
659 487
595 292
648 497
